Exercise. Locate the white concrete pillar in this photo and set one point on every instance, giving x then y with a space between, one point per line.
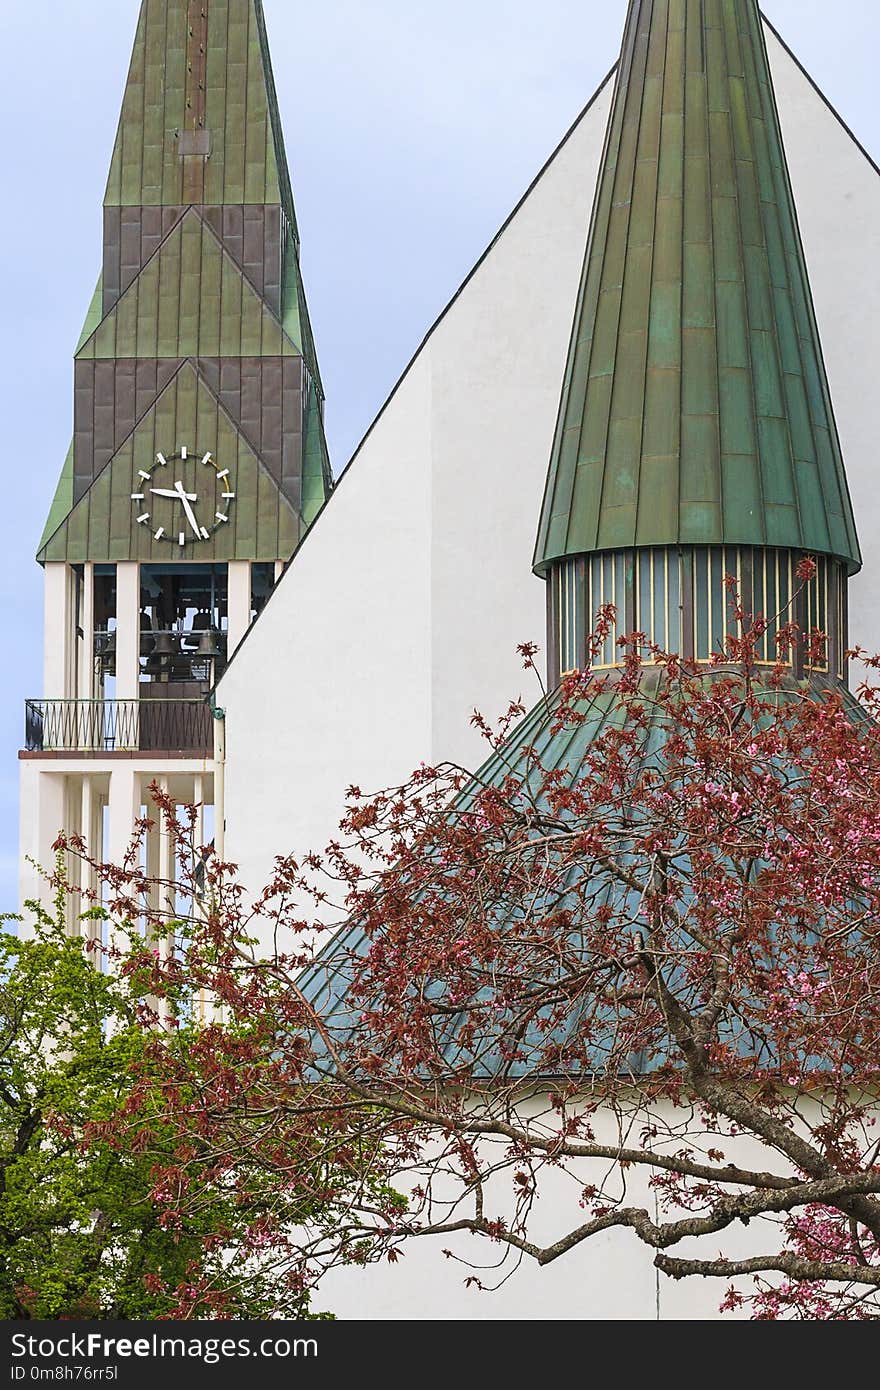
91 829
41 816
156 867
128 631
55 818
168 877
152 846
87 830
167 865
239 602
96 843
199 803
28 833
74 583
152 861
73 868
124 808
57 632
86 649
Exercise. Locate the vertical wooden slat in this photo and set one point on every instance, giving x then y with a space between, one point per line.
552 634
687 604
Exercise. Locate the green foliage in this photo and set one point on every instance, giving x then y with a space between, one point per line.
83 1231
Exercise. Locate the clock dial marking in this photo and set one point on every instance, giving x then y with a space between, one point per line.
161 459
183 453
142 520
146 476
159 534
138 496
207 459
221 517
182 538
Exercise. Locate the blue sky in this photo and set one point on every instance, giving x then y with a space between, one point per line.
412 129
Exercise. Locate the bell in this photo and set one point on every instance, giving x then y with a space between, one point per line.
164 644
108 655
209 643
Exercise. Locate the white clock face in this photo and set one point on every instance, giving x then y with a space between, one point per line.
184 497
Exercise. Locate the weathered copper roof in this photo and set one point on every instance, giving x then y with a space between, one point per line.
695 407
200 66
198 333
543 750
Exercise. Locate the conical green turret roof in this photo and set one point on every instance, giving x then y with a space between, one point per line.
695 407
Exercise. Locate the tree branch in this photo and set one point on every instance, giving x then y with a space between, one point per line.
806 1271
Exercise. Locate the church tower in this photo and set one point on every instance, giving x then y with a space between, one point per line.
696 437
198 457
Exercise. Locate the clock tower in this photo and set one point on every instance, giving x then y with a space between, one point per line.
198 457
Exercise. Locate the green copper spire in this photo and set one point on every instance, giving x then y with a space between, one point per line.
200 120
695 407
198 335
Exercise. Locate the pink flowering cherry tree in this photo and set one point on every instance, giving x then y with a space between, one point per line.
635 962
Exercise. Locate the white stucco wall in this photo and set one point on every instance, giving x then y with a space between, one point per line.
404 607
332 685
838 199
609 1278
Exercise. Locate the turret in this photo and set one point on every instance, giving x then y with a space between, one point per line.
696 435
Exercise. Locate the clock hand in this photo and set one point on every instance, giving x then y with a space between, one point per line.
190 514
173 493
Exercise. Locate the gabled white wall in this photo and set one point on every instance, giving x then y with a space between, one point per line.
837 191
404 607
332 685
497 364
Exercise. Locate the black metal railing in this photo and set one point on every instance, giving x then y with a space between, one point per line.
114 726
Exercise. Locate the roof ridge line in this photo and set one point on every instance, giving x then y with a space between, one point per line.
196 210
428 335
826 100
193 363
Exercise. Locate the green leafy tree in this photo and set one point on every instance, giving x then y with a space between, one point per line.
86 1228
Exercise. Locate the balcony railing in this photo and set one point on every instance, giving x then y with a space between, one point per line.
115 726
